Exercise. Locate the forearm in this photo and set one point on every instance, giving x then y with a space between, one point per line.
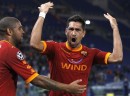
36 34
49 84
117 43
117 54
37 29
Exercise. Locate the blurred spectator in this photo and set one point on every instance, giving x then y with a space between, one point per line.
125 87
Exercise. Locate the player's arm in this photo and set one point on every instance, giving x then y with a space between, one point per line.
45 82
36 34
117 54
15 60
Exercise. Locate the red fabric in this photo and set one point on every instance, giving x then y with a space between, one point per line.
67 65
10 66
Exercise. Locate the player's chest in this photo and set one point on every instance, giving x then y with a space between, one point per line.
74 61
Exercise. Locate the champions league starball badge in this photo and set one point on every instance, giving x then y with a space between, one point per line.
20 55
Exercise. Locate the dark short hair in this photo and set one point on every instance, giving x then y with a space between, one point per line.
7 22
76 18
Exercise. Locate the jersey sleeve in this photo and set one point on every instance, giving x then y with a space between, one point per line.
49 47
17 62
101 57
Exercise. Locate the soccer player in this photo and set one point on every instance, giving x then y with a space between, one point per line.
12 63
71 60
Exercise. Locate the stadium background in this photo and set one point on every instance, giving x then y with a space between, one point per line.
104 80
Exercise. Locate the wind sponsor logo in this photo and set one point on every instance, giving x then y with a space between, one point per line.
76 67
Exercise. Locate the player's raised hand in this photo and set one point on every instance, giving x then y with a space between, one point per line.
45 7
111 19
75 88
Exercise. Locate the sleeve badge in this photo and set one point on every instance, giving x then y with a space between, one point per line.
20 55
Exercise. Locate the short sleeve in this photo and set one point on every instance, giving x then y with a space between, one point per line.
17 62
49 47
101 57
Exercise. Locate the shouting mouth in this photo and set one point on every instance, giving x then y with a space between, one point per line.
73 39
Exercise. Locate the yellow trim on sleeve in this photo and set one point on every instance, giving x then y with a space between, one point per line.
45 46
31 78
106 57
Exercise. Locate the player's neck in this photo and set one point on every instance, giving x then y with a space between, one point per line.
75 46
10 40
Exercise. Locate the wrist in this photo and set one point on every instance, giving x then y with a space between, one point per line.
66 89
42 14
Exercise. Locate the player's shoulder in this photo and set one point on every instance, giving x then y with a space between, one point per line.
7 46
54 42
51 42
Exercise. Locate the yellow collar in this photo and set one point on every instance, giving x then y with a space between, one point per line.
73 49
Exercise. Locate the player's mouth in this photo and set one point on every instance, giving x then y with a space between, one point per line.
73 40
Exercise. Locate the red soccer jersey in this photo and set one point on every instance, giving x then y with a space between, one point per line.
12 64
67 64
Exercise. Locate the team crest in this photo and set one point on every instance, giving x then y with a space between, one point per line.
20 55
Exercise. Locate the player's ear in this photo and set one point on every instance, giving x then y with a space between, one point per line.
84 33
66 31
9 31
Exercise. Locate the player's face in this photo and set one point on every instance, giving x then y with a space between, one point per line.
74 34
18 32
